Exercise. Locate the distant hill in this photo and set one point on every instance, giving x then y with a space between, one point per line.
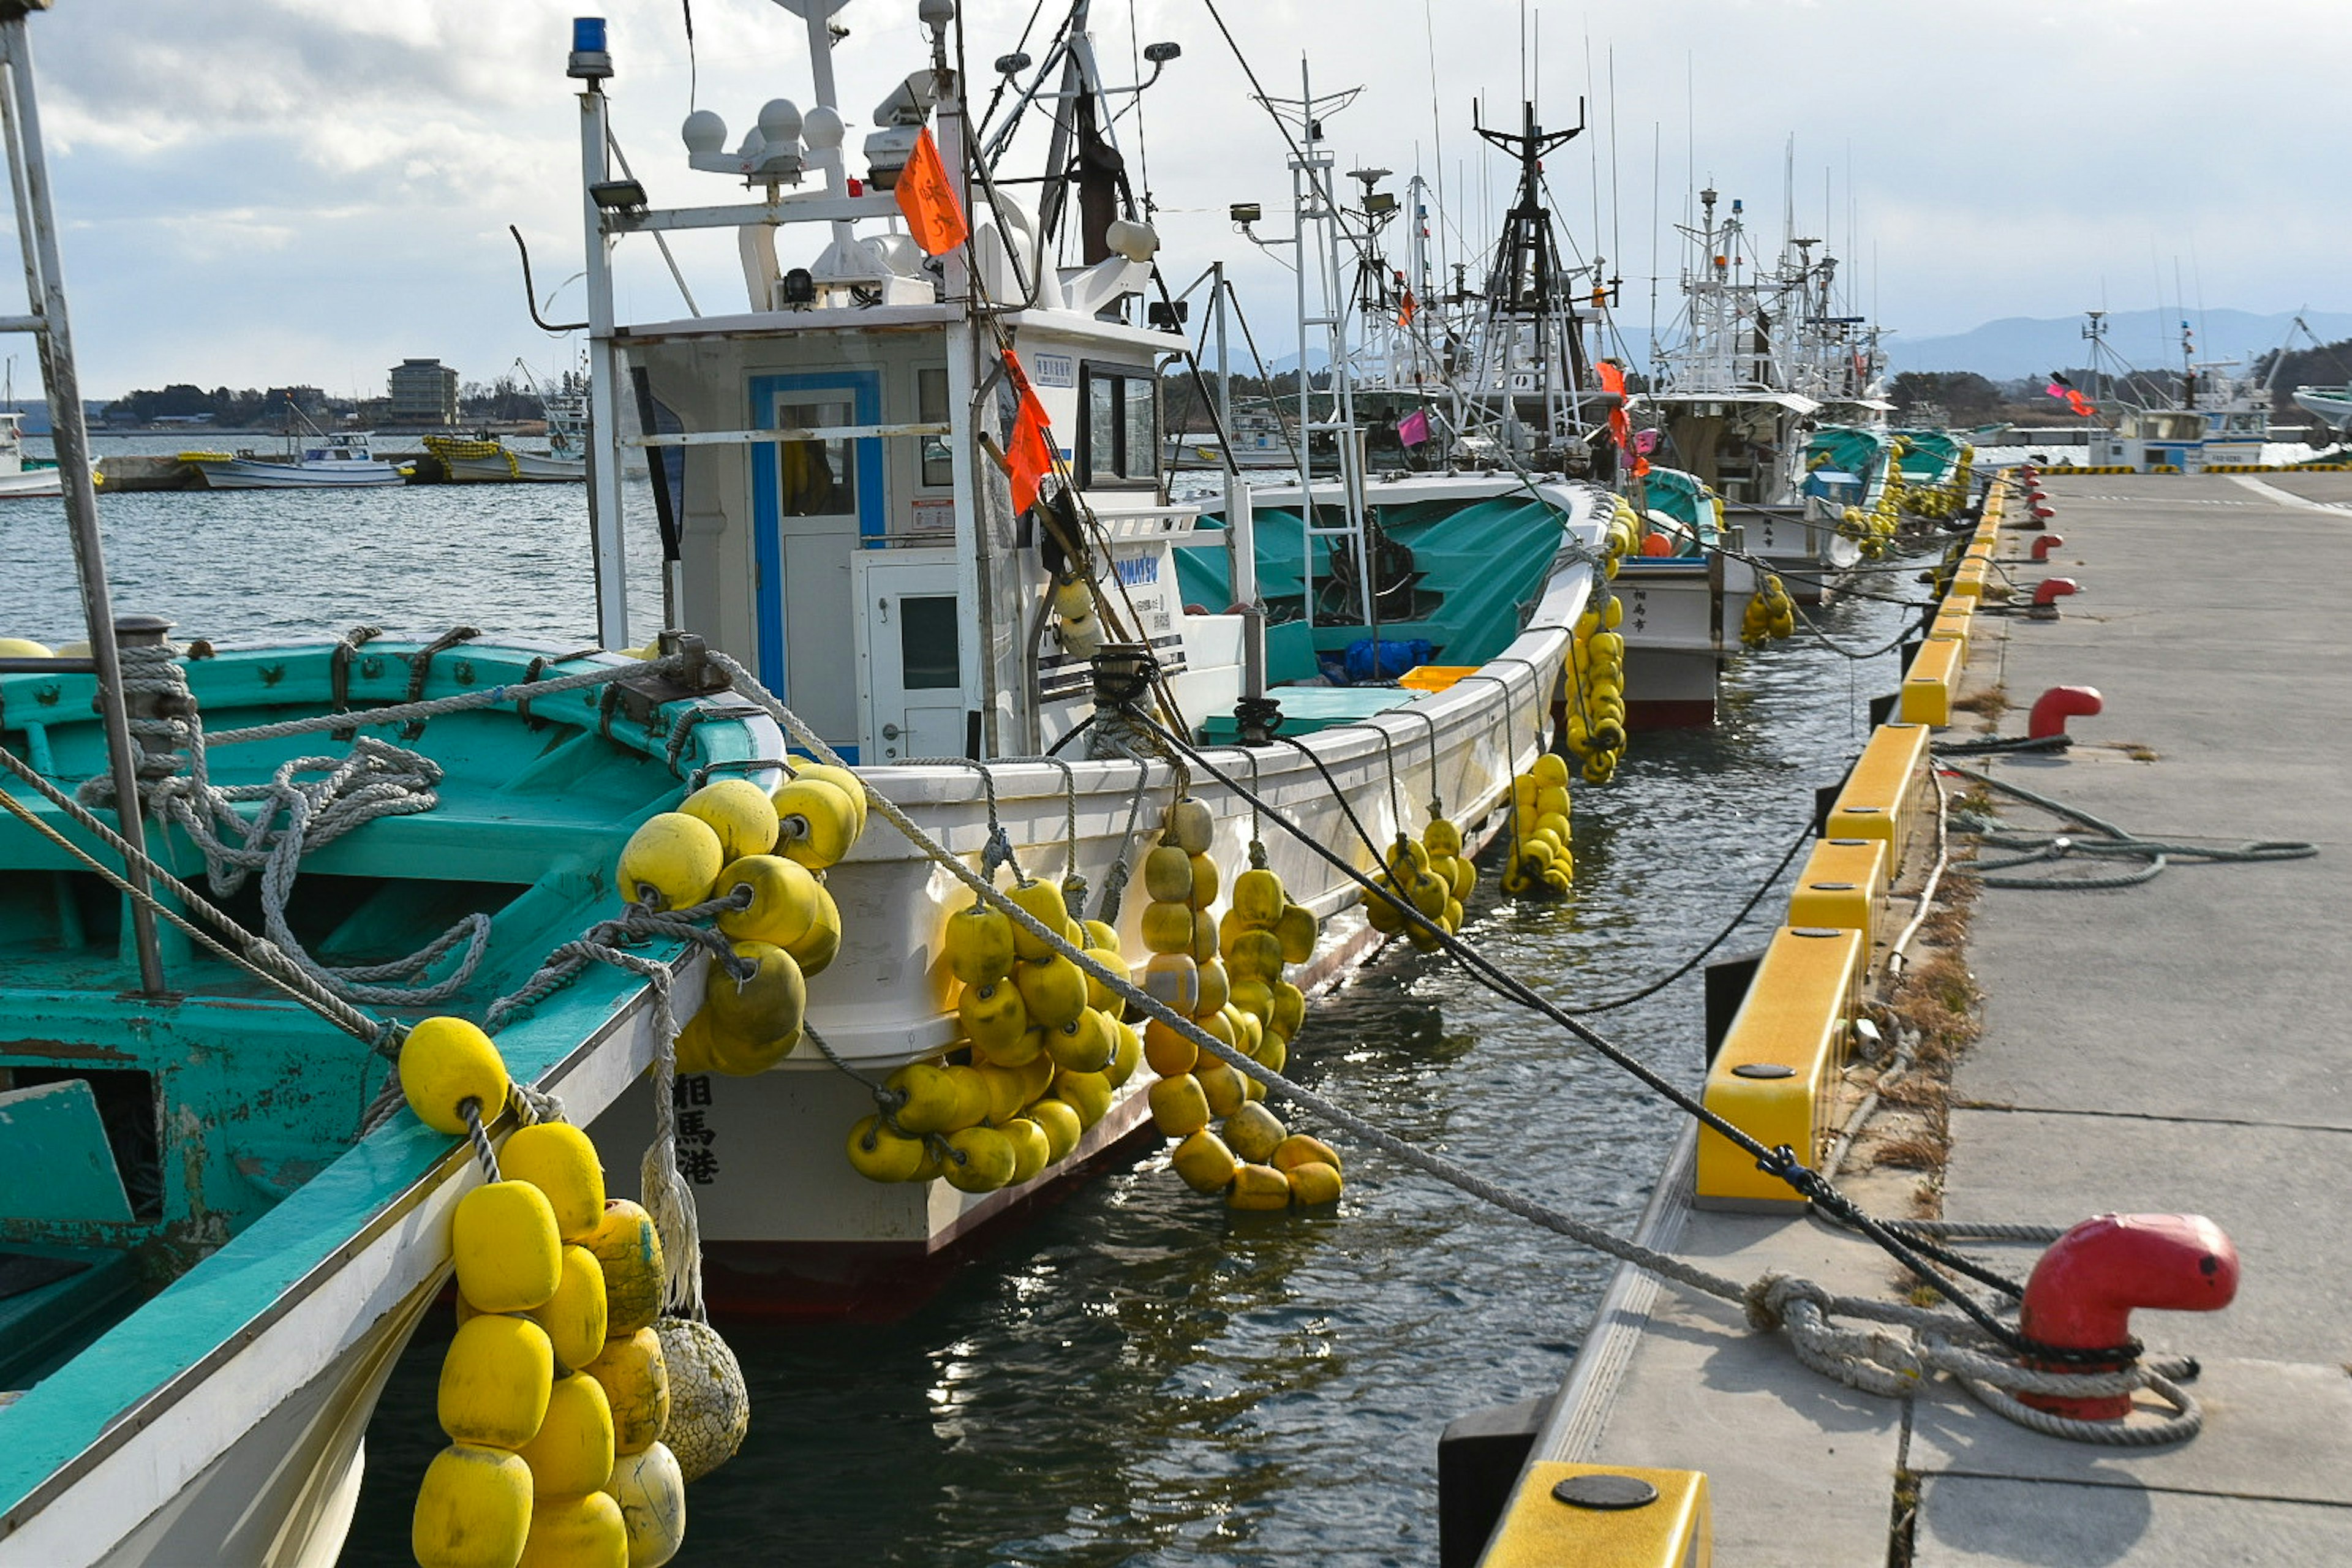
2148 340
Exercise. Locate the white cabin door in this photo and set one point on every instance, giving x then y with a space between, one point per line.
912 658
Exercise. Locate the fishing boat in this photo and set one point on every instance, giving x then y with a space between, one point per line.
487 460
1035 680
2331 404
2216 417
21 475
316 460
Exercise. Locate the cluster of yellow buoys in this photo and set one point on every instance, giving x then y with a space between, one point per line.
1770 613
734 837
1238 996
1874 530
1540 858
1044 1049
1596 677
1075 622
1950 498
1620 536
554 1392
1433 876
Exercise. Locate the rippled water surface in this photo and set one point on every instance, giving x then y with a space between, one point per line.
1137 1377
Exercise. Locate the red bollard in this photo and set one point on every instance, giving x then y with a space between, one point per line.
2028 472
2059 703
2046 543
2051 590
2083 1291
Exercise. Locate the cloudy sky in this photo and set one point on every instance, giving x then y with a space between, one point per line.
272 190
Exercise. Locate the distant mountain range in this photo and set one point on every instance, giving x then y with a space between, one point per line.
2147 339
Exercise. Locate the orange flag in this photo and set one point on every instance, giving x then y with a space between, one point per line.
1405 310
934 217
1030 452
1620 423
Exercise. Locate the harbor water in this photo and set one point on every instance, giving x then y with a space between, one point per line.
1137 1377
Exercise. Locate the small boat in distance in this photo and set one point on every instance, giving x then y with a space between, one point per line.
19 477
318 462
485 460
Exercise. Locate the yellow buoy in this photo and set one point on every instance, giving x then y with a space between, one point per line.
1216 987
495 1380
1313 1182
1058 1119
576 1532
1204 1162
981 1161
1255 956
1088 1093
816 822
445 1062
1255 997
1169 1052
652 1495
739 811
1252 1133
509 1256
1021 1049
1258 1188
755 1022
1222 1084
1190 826
574 1316
820 943
1259 897
932 1097
1044 903
473 1510
671 859
1099 995
993 1015
1297 930
1179 1109
973 1097
1168 927
1205 878
1126 1054
784 899
1008 1092
628 1248
558 1160
1053 990
1030 1150
1168 875
1299 1149
848 782
979 944
636 1389
1085 1044
573 1451
24 648
1174 980
879 1154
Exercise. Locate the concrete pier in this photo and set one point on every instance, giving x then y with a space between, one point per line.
2175 1047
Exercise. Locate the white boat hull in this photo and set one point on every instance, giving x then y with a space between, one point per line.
27 482
244 474
515 468
787 1224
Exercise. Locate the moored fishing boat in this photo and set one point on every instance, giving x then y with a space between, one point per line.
20 475
340 460
951 475
467 460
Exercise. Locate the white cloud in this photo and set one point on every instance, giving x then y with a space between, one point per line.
228 168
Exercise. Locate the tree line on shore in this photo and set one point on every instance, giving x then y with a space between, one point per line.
506 398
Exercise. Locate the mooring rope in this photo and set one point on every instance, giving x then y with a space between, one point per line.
1882 1363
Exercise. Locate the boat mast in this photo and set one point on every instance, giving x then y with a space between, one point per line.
591 66
44 293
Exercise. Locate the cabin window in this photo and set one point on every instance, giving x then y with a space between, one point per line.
931 408
817 478
1118 410
928 658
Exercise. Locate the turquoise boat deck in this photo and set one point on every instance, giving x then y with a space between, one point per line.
202 1152
1480 563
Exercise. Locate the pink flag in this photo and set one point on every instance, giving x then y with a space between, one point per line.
1414 428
